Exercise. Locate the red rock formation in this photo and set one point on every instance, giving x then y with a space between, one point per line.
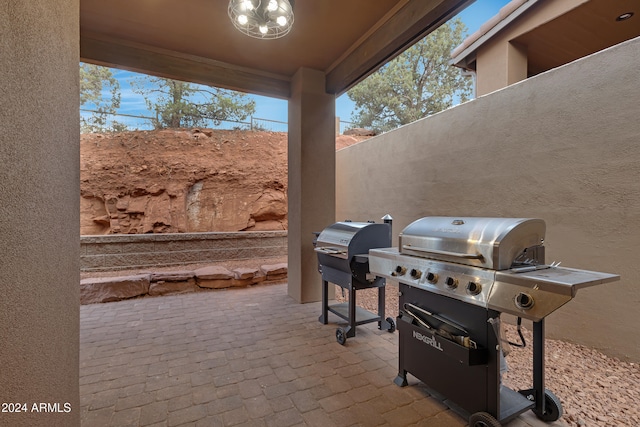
184 180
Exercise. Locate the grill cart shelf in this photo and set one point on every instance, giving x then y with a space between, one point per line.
343 259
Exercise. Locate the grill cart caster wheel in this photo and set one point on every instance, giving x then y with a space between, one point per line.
341 336
483 419
392 324
552 407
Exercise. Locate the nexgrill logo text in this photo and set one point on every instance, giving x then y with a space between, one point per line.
427 340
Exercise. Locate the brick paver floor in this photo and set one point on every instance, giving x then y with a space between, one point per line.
243 356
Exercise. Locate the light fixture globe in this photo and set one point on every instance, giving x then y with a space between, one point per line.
262 19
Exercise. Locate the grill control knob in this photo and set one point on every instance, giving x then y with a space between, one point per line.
451 283
474 288
432 277
399 271
524 301
416 274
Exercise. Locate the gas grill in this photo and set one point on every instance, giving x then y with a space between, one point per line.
343 259
456 277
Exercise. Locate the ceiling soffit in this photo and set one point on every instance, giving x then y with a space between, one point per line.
587 29
195 41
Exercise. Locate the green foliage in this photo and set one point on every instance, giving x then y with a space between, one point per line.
100 92
179 104
417 83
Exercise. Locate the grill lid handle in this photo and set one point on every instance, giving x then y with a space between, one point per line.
446 253
330 251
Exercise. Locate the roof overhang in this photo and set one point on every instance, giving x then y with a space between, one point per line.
554 33
464 55
195 40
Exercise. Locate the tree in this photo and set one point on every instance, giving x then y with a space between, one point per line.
99 92
417 83
180 104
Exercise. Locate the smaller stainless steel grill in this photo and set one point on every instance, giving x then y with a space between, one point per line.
456 277
343 259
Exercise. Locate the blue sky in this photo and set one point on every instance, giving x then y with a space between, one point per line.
276 109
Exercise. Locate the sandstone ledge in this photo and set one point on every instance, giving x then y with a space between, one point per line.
108 289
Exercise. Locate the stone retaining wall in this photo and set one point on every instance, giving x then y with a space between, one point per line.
134 251
108 289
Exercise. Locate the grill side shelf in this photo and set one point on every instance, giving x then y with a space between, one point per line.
429 340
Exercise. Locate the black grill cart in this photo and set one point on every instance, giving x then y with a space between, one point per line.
343 259
456 276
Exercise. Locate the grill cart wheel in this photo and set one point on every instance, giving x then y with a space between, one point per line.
392 324
341 336
552 406
483 419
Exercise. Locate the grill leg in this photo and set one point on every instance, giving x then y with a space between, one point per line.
401 379
385 324
537 393
538 367
351 329
381 301
325 303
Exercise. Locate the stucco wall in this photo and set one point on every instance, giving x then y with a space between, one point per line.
39 212
563 146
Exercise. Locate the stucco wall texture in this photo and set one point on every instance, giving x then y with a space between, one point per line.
311 195
39 212
563 146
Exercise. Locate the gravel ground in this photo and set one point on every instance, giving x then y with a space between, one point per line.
595 390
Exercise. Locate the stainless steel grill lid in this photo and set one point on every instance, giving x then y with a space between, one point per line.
346 239
493 243
496 263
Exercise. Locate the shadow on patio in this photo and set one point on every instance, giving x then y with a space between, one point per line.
243 356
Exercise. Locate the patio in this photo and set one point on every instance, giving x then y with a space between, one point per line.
243 356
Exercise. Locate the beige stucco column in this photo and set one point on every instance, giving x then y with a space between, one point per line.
311 178
500 65
517 62
39 212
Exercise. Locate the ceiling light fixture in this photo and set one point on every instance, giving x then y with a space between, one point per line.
624 16
262 19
